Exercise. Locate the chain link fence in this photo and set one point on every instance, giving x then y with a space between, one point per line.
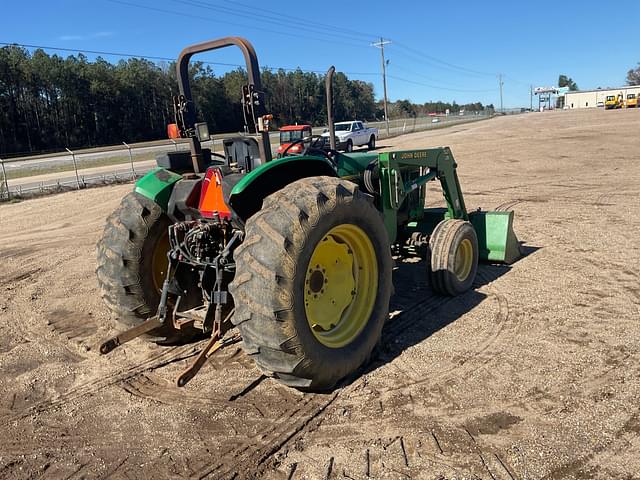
77 169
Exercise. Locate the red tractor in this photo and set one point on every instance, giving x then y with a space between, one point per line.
291 139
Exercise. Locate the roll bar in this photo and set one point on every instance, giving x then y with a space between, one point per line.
254 110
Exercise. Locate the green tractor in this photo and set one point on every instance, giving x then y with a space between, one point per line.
296 252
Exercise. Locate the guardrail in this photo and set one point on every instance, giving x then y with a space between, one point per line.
76 169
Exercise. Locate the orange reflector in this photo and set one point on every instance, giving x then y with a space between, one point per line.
173 131
211 198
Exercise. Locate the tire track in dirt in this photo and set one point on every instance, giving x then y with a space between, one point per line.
454 438
19 276
628 282
508 205
304 411
577 468
92 386
503 321
395 327
271 439
254 450
300 413
606 199
618 275
74 326
257 450
158 389
449 450
253 455
461 368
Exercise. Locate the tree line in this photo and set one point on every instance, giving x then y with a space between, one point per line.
633 76
48 102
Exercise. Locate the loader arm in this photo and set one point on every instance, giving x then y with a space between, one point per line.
497 241
432 163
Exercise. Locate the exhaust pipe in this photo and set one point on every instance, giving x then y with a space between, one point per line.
328 86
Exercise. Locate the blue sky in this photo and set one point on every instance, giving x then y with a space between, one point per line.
440 50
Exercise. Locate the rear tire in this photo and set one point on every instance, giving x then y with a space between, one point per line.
452 257
132 263
300 319
372 143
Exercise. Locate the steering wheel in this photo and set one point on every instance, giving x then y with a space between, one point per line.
316 147
314 141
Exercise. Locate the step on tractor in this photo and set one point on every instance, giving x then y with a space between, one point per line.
295 252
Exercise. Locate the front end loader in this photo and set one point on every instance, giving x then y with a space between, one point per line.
295 252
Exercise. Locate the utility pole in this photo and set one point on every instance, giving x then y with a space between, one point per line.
381 45
501 84
531 97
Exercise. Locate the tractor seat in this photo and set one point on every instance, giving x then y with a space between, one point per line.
243 151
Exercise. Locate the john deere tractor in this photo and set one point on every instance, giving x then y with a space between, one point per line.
295 252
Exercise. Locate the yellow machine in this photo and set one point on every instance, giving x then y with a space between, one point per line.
613 101
632 100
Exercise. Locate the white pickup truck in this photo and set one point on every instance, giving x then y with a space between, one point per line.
354 134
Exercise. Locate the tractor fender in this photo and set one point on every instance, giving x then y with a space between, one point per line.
247 195
157 186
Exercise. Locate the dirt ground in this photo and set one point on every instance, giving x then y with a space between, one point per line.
534 374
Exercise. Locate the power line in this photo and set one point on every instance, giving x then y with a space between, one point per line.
169 59
437 87
442 63
510 78
277 18
226 22
97 52
298 21
248 15
411 72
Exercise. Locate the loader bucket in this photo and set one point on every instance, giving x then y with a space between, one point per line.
497 241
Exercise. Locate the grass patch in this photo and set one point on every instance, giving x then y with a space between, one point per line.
82 165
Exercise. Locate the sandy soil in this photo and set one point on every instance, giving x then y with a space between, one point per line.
533 374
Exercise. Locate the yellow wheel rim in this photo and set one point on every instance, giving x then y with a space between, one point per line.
159 261
464 260
341 284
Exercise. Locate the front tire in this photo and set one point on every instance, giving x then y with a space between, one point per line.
349 147
313 282
453 257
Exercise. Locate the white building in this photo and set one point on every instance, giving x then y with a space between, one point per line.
596 98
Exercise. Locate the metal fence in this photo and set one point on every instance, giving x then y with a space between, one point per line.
76 169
